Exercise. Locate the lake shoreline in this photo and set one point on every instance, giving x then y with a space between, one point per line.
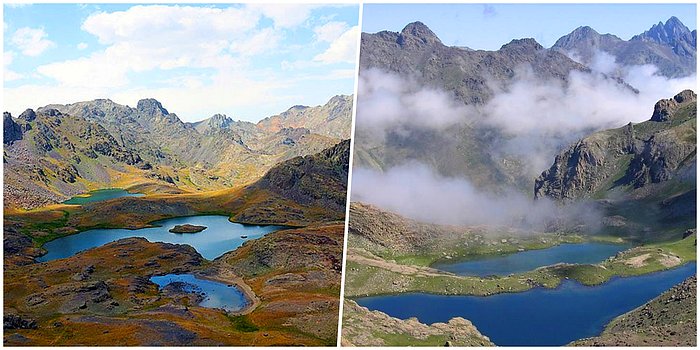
573 287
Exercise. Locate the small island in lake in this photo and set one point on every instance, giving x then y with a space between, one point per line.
187 228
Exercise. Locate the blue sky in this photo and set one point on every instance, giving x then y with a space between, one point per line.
488 27
247 61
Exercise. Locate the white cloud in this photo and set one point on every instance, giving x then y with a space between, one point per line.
388 102
330 31
415 190
100 69
284 15
264 41
9 75
144 38
32 41
81 46
344 49
199 58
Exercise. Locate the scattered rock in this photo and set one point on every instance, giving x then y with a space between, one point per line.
11 321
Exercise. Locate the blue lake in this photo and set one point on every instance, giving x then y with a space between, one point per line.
539 316
582 253
101 195
217 295
219 237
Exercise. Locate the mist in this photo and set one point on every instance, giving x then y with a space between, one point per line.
391 103
416 191
536 119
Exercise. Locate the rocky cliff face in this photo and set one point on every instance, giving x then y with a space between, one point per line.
11 131
634 155
670 46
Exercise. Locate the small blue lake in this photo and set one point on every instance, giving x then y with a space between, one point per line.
581 253
219 237
101 195
539 316
216 294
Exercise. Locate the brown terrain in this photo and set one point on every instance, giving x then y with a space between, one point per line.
103 296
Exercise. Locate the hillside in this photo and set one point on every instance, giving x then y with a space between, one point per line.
668 320
644 173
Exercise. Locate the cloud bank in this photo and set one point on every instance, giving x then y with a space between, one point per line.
415 190
537 118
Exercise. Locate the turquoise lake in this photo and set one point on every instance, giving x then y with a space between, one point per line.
580 253
538 317
219 237
102 195
216 294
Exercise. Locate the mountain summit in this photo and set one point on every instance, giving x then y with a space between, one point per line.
672 33
417 34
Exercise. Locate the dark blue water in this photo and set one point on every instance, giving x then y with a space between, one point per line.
219 237
582 253
538 316
102 195
217 295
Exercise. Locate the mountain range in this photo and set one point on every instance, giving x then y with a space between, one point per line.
475 150
61 150
670 46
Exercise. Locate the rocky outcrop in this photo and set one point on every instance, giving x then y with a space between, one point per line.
11 131
634 155
664 109
362 327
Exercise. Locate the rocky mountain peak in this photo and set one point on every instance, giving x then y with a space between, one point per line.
584 31
28 115
664 109
526 44
220 121
417 34
673 33
580 34
151 106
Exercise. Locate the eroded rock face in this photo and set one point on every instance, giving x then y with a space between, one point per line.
11 131
634 155
664 109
